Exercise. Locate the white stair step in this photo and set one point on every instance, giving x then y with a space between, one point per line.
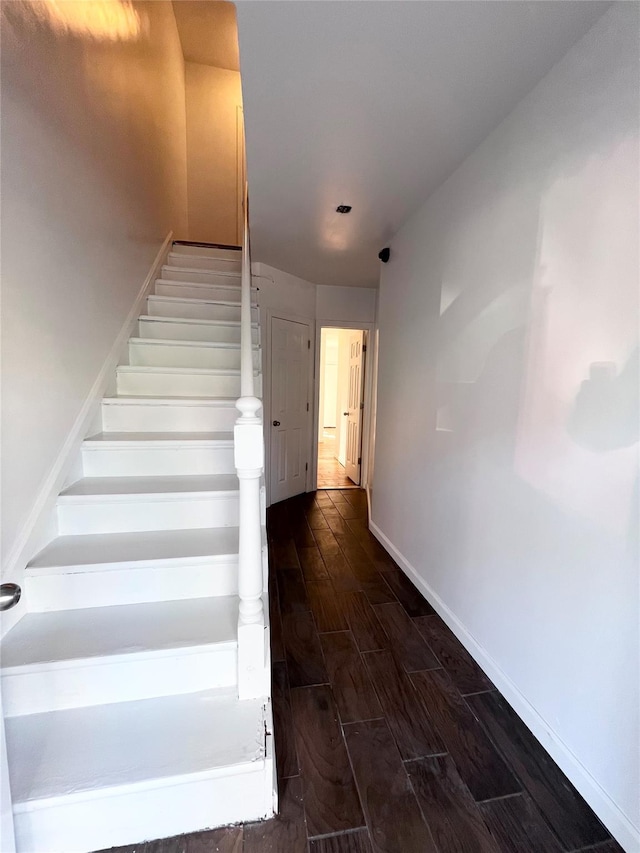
231 282
92 778
154 352
127 504
200 276
182 328
180 414
202 262
191 290
207 251
75 658
101 570
146 454
198 309
177 381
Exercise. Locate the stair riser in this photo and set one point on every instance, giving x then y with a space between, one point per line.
198 291
180 385
207 252
105 680
160 461
203 263
158 307
166 330
126 516
175 355
184 805
205 578
176 273
167 418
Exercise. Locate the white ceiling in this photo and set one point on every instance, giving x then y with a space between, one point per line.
208 32
374 104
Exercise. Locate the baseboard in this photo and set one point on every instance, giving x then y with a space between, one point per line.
39 526
618 824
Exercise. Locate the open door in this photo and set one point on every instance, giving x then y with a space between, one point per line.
290 416
354 414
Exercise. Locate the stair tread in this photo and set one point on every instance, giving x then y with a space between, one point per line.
156 437
137 399
226 302
106 747
233 284
100 549
183 256
231 274
179 342
97 486
154 368
57 637
194 321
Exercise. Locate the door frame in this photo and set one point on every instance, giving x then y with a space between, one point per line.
271 314
367 328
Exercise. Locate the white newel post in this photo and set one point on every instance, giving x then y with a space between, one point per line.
249 462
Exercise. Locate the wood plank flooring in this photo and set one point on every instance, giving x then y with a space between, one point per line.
331 473
388 736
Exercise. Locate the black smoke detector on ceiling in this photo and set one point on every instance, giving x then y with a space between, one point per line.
343 208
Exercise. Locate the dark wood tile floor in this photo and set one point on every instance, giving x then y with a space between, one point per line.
388 736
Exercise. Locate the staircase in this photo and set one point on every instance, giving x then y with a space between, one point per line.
121 684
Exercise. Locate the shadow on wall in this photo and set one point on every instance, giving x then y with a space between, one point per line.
539 550
606 414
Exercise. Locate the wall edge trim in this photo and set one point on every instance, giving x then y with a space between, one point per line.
26 543
611 815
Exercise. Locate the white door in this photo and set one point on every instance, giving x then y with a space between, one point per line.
355 407
7 842
290 416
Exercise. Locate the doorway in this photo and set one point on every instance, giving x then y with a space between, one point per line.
340 407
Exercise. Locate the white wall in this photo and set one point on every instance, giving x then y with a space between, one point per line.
503 475
93 179
281 291
213 97
344 354
345 304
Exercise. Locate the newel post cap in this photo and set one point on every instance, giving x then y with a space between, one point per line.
249 407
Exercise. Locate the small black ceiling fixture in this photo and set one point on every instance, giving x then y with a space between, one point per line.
384 255
343 208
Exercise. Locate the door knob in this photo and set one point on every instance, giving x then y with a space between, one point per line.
346 413
276 423
9 595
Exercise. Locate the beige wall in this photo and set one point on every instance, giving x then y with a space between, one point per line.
213 96
93 178
343 394
330 341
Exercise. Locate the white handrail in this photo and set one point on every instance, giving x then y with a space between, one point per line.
249 462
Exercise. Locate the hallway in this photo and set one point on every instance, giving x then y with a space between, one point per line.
389 738
331 474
